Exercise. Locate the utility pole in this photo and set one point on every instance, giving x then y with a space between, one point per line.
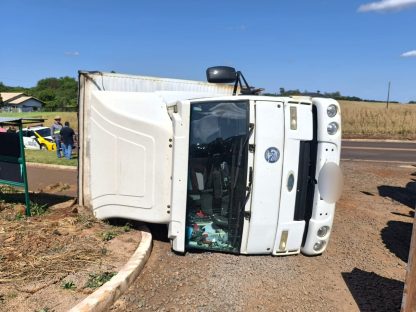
388 97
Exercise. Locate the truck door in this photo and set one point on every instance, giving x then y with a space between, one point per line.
267 179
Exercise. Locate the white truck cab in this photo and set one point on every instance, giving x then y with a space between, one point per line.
246 173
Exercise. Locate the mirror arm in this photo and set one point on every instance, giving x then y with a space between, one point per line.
237 82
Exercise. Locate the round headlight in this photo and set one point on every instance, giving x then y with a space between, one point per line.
319 245
332 128
323 230
332 110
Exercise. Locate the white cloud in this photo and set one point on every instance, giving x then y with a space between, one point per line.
72 53
409 54
386 5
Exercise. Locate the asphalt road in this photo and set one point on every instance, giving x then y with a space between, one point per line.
394 152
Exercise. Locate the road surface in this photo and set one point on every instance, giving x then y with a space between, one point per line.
395 152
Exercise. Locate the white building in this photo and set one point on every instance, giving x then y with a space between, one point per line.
19 102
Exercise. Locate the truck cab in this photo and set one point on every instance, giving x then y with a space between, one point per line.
245 174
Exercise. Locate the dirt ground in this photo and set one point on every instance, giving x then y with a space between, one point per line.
363 268
54 259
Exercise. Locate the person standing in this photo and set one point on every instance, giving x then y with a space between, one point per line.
56 134
67 137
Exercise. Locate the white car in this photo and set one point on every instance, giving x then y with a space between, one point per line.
38 137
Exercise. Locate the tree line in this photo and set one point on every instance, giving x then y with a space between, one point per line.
334 95
58 94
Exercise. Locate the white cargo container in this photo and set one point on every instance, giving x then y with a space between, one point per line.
245 174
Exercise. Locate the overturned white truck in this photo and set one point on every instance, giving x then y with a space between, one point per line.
226 169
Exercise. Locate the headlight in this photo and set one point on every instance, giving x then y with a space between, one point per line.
332 128
319 245
323 230
332 110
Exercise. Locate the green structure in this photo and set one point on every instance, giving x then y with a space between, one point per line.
12 154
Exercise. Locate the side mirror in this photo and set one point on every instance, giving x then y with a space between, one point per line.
221 74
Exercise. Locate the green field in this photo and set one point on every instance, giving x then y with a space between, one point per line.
49 157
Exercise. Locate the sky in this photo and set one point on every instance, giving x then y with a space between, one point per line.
355 47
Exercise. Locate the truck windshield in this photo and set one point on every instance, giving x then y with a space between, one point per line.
217 175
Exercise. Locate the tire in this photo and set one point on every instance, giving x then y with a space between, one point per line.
42 147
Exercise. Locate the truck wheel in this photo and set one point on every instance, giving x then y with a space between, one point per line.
42 146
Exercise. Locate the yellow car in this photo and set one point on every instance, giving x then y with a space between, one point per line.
38 137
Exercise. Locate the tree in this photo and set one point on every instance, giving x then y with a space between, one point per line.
57 93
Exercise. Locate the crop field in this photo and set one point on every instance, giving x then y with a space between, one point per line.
373 120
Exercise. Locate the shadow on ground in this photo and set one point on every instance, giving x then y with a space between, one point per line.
396 237
397 234
404 195
373 292
38 198
159 232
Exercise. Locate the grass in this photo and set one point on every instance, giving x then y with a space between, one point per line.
37 209
127 227
108 236
373 120
49 157
48 116
69 285
97 280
